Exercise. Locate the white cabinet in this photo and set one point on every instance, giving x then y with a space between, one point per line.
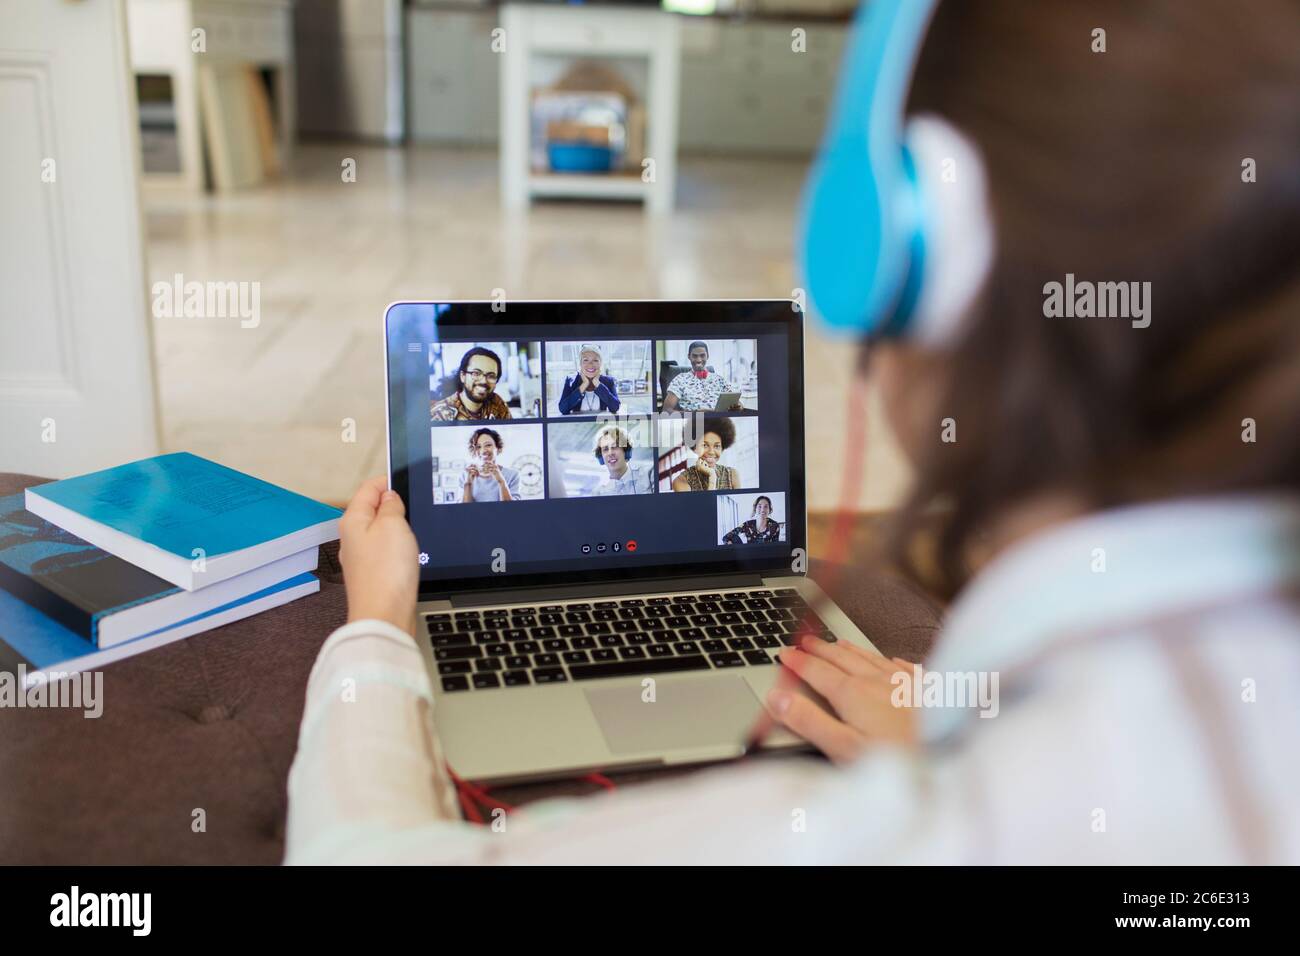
350 68
746 88
451 76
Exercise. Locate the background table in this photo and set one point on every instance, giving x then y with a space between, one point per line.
541 41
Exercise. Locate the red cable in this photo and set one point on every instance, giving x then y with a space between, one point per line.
851 483
471 795
468 806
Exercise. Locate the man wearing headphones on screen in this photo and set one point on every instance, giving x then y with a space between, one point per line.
614 451
1123 550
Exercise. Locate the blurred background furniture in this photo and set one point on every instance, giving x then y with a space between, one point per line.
740 89
452 84
195 63
350 62
540 42
757 86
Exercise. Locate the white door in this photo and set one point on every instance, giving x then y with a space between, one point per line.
76 372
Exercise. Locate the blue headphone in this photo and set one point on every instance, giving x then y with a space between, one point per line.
864 208
627 453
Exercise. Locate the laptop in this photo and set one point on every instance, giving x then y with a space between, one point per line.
601 587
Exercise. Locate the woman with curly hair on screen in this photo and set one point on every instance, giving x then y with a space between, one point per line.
708 473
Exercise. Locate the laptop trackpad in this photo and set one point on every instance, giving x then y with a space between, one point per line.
683 713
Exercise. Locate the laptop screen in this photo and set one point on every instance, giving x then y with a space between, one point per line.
539 443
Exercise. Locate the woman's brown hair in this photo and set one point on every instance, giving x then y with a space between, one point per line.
1129 165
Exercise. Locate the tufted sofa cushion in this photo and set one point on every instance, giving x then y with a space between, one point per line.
210 724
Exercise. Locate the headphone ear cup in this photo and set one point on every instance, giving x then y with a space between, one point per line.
956 224
852 262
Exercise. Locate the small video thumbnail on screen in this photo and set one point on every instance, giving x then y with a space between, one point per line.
757 518
606 457
598 377
707 375
707 452
479 381
497 461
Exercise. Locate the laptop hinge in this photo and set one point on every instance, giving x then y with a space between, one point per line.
571 592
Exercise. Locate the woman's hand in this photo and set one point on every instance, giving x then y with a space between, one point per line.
857 684
379 556
708 473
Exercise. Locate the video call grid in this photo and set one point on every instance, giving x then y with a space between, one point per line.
652 419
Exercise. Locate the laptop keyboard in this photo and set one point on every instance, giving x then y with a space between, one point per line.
588 640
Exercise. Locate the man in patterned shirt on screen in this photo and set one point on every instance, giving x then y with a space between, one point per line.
476 399
698 390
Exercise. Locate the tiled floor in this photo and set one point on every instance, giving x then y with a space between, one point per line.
423 222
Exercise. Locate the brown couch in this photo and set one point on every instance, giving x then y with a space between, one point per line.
211 723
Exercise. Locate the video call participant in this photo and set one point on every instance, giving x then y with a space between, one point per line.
699 389
613 450
485 480
589 391
476 399
708 473
759 529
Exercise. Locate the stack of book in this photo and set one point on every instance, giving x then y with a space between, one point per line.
107 565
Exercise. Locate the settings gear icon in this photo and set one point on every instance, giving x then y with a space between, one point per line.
424 557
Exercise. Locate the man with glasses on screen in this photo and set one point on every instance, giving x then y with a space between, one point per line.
476 399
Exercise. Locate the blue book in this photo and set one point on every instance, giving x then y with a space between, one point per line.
188 520
102 598
33 643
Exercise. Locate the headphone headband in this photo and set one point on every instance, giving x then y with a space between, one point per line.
863 238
